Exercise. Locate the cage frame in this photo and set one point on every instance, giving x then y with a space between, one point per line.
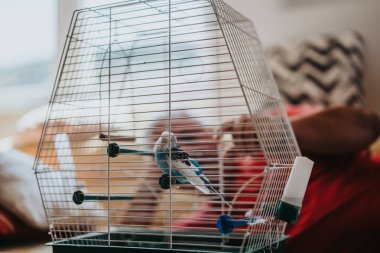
65 245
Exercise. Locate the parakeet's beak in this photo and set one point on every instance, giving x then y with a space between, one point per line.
166 134
164 140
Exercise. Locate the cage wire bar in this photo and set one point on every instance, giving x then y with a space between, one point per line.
130 71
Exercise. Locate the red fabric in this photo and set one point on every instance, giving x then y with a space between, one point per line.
14 230
298 110
341 208
6 226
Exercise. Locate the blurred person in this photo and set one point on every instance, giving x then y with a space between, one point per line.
340 209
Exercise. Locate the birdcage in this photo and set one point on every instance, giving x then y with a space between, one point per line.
166 132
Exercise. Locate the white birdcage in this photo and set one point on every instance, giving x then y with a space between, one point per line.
135 73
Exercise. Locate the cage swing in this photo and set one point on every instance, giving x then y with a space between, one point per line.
166 132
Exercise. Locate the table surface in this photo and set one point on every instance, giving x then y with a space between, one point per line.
28 248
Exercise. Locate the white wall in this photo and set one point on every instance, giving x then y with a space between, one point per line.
283 20
65 13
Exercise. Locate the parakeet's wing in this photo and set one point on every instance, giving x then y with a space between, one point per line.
191 176
190 169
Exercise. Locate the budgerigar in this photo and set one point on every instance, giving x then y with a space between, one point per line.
184 168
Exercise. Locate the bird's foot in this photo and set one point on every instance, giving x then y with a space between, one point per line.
165 181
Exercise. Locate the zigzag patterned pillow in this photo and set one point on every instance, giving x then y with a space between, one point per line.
326 69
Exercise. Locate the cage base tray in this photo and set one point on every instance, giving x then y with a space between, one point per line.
130 242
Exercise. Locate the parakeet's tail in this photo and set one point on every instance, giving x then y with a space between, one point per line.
221 196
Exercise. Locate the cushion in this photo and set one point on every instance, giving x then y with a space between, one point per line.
21 207
322 70
19 190
15 230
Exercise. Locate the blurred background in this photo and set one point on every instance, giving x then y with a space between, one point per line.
33 33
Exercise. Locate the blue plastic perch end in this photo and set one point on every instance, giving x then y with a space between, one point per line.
226 224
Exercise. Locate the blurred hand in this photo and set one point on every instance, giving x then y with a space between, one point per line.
337 131
243 134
